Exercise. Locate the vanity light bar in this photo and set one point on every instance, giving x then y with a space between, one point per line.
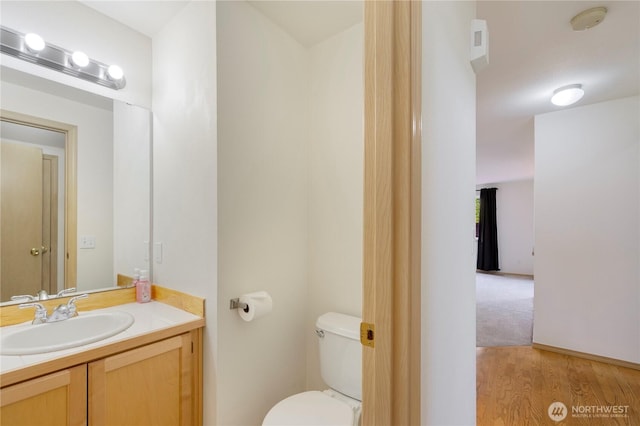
51 56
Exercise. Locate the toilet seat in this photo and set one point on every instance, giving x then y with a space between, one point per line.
312 408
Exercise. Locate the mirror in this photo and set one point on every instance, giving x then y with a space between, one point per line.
89 180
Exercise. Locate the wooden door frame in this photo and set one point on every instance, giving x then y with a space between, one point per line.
70 183
52 201
392 212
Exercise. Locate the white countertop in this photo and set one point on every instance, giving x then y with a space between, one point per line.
148 317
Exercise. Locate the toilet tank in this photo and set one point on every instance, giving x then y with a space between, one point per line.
340 353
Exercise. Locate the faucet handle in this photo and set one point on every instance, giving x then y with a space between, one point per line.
71 304
41 312
72 301
38 306
66 291
29 297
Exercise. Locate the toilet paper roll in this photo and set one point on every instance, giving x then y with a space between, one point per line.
259 304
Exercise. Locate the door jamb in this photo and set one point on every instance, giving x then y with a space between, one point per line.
392 212
52 205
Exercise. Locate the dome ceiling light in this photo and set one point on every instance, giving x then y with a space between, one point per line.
567 95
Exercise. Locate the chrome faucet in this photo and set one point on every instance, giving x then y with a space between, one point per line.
65 311
60 313
42 295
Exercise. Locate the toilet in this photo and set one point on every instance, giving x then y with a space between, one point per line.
341 369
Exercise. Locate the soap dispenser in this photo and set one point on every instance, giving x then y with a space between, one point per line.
136 277
143 288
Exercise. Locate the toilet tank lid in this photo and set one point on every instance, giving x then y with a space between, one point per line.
340 324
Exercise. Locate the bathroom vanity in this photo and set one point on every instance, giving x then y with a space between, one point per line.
150 373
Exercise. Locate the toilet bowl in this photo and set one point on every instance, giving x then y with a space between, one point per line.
315 408
341 369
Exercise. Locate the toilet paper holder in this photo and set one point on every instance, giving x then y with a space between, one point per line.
237 304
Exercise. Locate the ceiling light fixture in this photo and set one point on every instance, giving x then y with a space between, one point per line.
79 59
588 18
567 95
32 48
34 42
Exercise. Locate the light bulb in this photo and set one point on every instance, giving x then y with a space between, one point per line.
34 42
115 72
567 95
79 59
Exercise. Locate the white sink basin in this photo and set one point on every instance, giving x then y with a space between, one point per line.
81 330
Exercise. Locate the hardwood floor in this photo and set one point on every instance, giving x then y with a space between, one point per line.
517 384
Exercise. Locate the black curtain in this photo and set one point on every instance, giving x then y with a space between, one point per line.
488 235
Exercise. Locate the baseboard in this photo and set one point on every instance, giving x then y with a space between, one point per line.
504 274
591 357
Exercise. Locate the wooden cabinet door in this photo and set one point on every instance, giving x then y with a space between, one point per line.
55 399
151 385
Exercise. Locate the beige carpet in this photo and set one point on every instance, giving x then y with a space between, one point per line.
504 310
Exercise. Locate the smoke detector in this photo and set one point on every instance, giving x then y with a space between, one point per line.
588 18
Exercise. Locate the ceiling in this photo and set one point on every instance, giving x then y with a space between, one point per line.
310 22
532 51
144 16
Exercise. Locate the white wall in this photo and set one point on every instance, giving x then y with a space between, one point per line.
587 235
336 157
185 168
263 106
448 184
514 211
303 147
94 173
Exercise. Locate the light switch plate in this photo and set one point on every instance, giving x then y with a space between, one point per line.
87 242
